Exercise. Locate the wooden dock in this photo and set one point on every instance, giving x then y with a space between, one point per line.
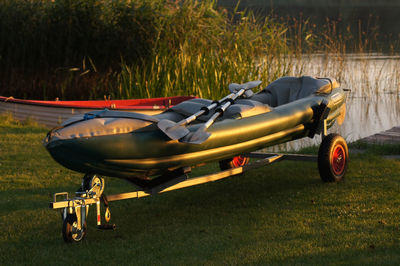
391 136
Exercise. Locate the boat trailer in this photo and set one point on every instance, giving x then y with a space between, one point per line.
332 162
74 211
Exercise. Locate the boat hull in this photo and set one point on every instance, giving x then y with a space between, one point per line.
145 153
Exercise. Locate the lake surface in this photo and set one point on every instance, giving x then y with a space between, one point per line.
373 104
382 16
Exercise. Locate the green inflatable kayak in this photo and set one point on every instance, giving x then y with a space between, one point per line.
141 148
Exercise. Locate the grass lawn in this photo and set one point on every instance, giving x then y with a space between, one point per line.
279 214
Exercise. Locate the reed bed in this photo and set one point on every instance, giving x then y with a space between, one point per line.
90 49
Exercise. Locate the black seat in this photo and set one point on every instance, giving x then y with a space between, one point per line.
289 89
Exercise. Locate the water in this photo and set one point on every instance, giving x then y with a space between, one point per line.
373 104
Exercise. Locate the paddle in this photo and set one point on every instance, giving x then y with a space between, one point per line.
178 130
200 135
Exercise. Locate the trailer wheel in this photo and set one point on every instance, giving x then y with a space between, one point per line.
332 158
234 162
70 230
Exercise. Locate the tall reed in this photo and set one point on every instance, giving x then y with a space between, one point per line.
208 51
41 41
85 49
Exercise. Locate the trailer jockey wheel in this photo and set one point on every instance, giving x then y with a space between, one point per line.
234 162
333 157
70 229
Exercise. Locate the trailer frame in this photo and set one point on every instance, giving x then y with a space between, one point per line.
77 208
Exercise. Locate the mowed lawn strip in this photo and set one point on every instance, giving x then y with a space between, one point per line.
279 214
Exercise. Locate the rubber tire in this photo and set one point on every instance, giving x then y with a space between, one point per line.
67 229
234 162
331 146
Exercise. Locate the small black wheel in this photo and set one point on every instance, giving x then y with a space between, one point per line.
70 230
234 162
333 157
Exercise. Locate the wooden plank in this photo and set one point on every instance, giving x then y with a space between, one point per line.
391 136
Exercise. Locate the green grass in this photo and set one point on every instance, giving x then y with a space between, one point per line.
279 214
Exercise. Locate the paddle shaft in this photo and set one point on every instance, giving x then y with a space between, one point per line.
201 134
223 108
205 110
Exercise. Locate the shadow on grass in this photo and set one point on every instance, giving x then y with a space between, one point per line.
278 214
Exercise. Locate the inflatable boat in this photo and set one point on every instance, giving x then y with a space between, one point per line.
148 149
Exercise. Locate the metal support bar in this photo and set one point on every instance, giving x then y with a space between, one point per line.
205 179
320 116
166 184
268 160
324 131
182 181
98 213
187 183
72 203
290 157
65 194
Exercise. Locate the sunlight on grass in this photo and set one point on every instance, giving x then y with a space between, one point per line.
280 214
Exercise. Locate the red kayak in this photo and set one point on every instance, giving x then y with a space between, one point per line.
52 113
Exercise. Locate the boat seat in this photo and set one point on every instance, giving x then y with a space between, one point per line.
184 109
190 107
240 109
289 89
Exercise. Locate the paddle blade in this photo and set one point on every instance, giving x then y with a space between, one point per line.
197 137
172 129
234 87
